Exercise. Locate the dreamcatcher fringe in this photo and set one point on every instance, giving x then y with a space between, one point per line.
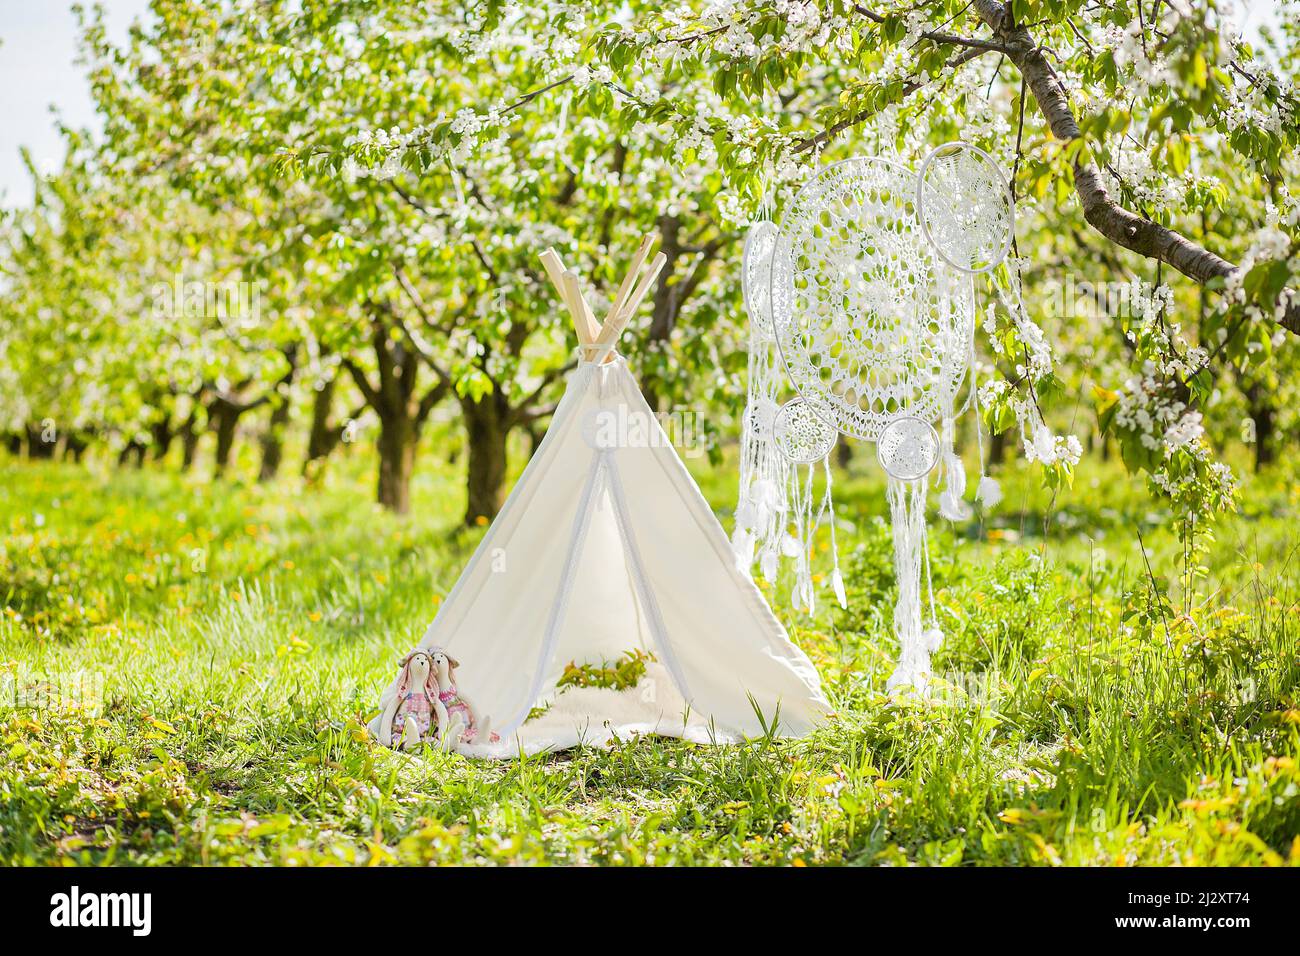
762 505
773 492
988 492
804 594
828 508
807 522
916 642
951 505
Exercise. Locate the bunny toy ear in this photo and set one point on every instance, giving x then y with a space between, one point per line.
451 661
404 679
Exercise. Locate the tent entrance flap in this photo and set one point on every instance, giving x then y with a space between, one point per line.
605 605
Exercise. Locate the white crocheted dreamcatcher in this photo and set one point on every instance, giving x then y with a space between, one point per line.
872 308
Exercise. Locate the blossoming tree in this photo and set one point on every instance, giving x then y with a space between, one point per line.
417 218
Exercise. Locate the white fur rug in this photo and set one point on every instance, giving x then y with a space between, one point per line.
593 716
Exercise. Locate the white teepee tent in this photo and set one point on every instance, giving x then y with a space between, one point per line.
604 546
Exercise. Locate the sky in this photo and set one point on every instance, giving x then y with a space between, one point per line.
38 46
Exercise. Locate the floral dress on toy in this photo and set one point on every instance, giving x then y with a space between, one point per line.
417 708
457 708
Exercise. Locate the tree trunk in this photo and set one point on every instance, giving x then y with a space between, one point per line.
319 443
189 444
132 454
225 419
397 440
666 302
162 433
14 443
1264 416
323 436
74 447
190 436
37 446
401 414
1265 454
273 439
486 431
998 447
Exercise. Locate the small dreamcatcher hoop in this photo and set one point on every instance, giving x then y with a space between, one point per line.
802 436
870 323
965 207
908 448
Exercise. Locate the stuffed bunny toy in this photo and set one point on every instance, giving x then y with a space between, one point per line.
462 727
415 713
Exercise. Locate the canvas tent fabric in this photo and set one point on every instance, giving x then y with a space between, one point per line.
607 545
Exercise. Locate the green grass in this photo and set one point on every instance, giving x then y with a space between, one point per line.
234 638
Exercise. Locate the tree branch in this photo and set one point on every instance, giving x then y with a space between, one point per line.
1102 212
828 134
707 253
417 300
431 398
529 415
363 384
521 412
938 36
422 348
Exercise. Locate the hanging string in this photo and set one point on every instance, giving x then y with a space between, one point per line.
929 584
951 505
807 513
765 202
988 492
828 506
800 544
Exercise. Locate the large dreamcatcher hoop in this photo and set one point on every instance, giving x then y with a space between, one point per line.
866 317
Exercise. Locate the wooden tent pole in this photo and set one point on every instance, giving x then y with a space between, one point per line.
629 280
556 272
581 311
614 328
